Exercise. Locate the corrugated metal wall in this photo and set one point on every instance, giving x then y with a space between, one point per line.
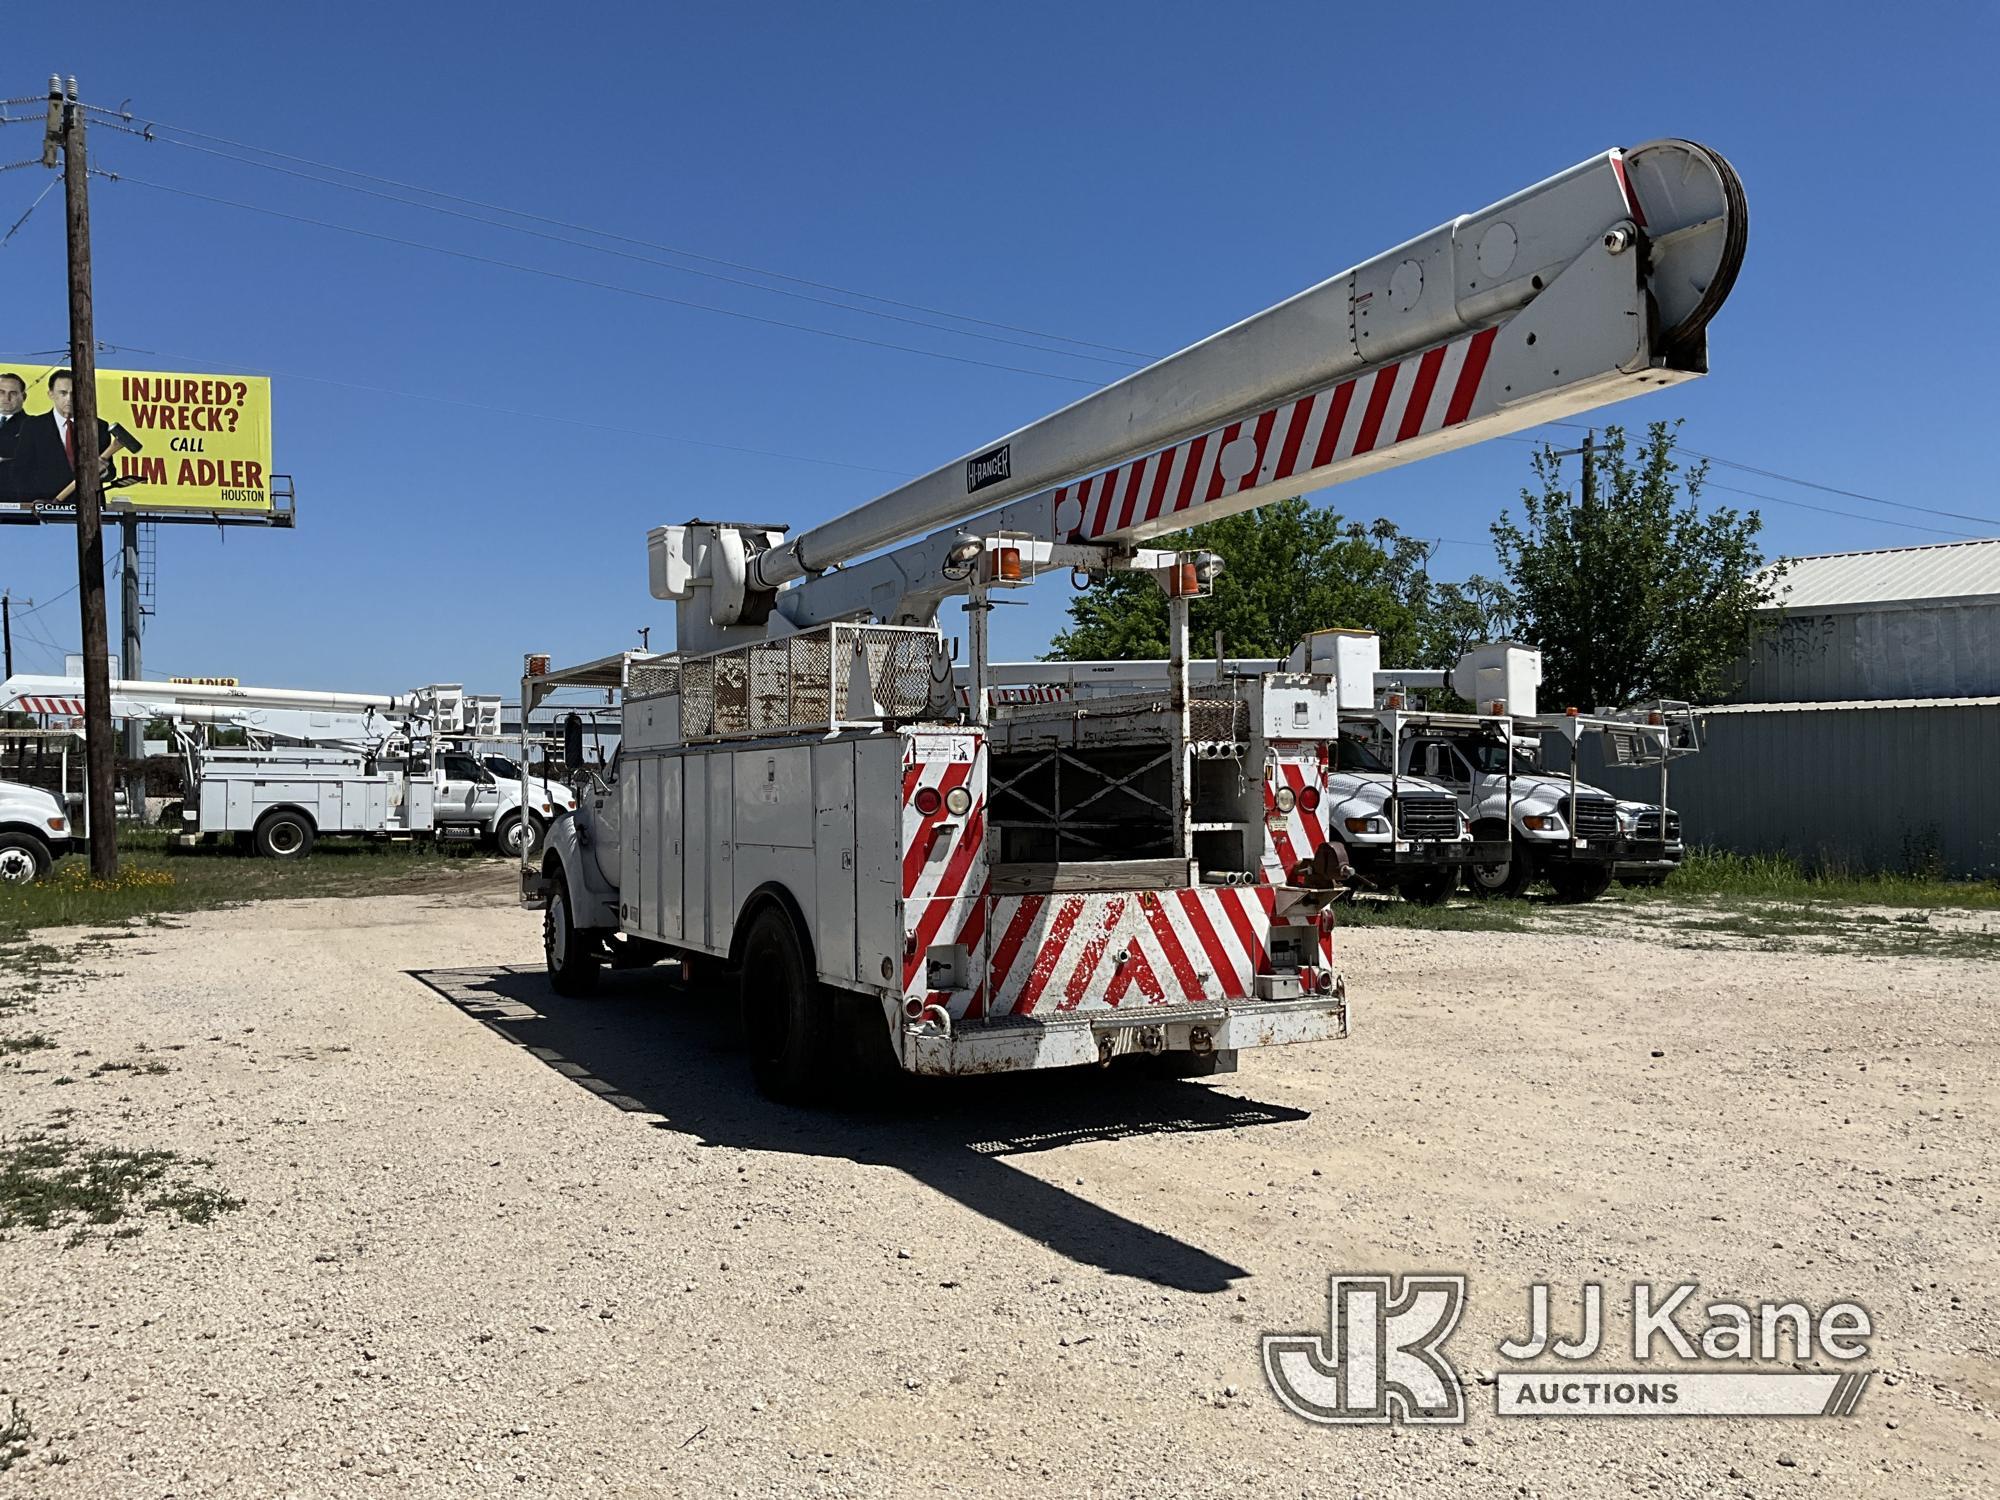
1933 650
1862 788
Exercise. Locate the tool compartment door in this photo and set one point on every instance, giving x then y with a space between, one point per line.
835 876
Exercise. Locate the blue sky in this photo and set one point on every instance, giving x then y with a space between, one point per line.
480 451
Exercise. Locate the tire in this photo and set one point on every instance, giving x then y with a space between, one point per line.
24 859
285 835
170 816
1430 887
509 838
1508 881
787 1023
1576 884
575 955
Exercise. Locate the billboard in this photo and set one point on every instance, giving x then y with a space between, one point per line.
178 443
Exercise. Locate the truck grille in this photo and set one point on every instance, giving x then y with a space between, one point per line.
1594 817
1423 815
1649 826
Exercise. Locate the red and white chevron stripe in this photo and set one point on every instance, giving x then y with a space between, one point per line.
1372 411
1101 951
41 705
944 860
1291 837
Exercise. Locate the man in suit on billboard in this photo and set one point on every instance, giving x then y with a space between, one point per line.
13 423
47 451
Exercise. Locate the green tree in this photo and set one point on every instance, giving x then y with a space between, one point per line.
1288 569
1630 585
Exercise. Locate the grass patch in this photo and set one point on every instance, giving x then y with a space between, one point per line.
129 1067
49 1182
154 879
16 1432
1458 916
1818 926
1711 872
34 1041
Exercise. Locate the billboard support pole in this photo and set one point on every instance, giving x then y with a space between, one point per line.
98 746
130 619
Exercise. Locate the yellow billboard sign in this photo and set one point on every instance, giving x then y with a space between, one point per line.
175 442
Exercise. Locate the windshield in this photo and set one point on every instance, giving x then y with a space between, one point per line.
1352 755
1491 757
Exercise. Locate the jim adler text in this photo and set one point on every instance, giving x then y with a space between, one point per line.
1669 1323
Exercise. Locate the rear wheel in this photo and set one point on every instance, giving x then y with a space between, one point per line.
513 837
24 859
1578 883
1430 887
1508 877
785 1020
575 955
285 835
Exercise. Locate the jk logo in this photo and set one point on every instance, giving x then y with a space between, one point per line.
1381 1359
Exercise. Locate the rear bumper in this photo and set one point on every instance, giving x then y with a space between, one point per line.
1016 1044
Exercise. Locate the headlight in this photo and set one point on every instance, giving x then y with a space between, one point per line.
1543 823
58 824
1628 822
1286 799
1367 825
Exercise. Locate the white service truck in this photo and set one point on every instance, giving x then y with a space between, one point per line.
34 832
321 763
800 796
1535 822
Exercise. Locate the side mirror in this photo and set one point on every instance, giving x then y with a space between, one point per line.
573 741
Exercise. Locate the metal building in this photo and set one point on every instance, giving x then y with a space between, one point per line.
1868 732
1909 622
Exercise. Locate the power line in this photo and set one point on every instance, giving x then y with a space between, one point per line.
4 238
1122 363
1814 484
1848 514
253 367
606 286
36 609
147 132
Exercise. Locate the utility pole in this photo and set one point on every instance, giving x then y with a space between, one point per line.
7 628
66 122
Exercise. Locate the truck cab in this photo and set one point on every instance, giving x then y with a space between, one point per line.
472 795
34 833
1401 832
1554 829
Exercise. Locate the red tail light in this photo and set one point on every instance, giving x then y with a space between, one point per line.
929 799
1309 799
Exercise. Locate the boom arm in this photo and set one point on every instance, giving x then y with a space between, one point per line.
1581 290
303 716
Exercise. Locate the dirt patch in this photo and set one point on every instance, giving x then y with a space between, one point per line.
496 1241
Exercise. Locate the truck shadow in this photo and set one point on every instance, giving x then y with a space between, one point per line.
643 1045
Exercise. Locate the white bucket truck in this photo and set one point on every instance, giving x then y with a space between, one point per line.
801 799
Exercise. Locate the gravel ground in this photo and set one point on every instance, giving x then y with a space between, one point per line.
495 1242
